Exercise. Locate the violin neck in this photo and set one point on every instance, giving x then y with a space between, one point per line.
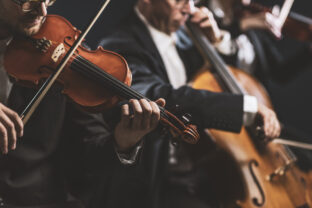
93 72
215 60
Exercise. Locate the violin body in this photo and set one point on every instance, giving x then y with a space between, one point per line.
263 175
39 60
95 80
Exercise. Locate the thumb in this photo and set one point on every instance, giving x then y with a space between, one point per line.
276 10
161 102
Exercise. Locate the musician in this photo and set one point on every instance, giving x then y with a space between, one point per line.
243 49
163 59
34 158
259 42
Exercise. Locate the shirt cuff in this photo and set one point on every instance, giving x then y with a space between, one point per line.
225 46
245 51
129 158
250 110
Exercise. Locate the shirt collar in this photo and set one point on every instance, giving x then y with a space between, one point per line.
163 41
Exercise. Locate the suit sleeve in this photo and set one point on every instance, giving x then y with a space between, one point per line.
89 139
210 110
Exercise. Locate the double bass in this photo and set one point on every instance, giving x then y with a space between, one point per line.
254 173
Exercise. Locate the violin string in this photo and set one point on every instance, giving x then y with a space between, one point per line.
81 64
108 79
132 94
94 74
120 86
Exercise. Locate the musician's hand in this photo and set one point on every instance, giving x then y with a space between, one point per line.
271 125
204 18
11 127
132 128
263 20
274 24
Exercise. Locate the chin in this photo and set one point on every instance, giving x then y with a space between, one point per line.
29 31
176 26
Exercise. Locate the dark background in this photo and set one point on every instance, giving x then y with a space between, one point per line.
292 100
79 12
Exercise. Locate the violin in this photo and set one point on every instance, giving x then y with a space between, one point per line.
95 80
254 173
296 25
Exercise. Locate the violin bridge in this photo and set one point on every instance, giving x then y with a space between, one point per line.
58 52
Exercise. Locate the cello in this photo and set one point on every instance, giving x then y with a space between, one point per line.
265 172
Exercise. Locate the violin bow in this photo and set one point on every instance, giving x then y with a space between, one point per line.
285 11
292 143
46 86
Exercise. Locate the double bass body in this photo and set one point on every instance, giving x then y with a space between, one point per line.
265 175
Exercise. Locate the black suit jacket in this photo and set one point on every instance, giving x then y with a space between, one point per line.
211 110
59 142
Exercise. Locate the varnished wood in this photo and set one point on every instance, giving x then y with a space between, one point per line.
290 190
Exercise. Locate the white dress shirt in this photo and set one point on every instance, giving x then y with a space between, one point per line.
176 70
166 45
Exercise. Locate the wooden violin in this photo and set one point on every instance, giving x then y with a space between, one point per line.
96 80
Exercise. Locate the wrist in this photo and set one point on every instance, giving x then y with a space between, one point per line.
125 144
126 147
122 146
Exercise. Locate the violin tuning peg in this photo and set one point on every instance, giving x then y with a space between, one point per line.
187 118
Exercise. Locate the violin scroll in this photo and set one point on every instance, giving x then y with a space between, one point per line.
182 127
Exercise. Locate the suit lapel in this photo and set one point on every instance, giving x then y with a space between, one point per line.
145 39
